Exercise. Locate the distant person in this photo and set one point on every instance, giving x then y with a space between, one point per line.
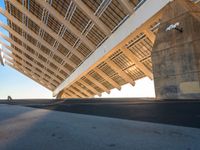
9 98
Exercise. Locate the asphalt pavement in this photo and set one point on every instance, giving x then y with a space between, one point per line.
175 112
26 128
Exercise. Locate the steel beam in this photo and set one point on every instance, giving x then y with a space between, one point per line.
92 17
121 73
127 5
72 95
89 87
13 32
82 90
150 35
34 64
77 92
37 37
20 69
134 25
33 70
24 50
138 64
97 83
46 28
66 23
107 78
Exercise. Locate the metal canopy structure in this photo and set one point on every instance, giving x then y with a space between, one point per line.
55 43
1 56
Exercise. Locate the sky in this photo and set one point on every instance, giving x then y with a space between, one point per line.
19 86
143 88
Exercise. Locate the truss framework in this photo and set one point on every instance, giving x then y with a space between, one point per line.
50 39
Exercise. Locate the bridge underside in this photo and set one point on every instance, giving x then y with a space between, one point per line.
82 48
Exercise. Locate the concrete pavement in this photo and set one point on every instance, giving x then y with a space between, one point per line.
176 112
23 128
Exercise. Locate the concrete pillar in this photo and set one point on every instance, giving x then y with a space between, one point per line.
176 52
60 95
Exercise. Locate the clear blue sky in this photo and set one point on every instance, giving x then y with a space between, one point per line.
19 86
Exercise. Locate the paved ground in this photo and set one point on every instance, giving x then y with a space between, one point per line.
25 128
182 112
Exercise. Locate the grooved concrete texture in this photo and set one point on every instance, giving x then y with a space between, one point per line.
23 128
176 54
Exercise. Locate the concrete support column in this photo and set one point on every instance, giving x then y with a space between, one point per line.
60 95
176 52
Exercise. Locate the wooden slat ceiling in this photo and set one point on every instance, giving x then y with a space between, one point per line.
48 51
38 44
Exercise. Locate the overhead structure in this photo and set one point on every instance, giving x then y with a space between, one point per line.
81 48
1 56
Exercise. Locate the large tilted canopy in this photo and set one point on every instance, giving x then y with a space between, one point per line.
81 48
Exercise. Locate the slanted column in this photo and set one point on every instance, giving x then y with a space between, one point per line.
1 56
176 52
60 95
